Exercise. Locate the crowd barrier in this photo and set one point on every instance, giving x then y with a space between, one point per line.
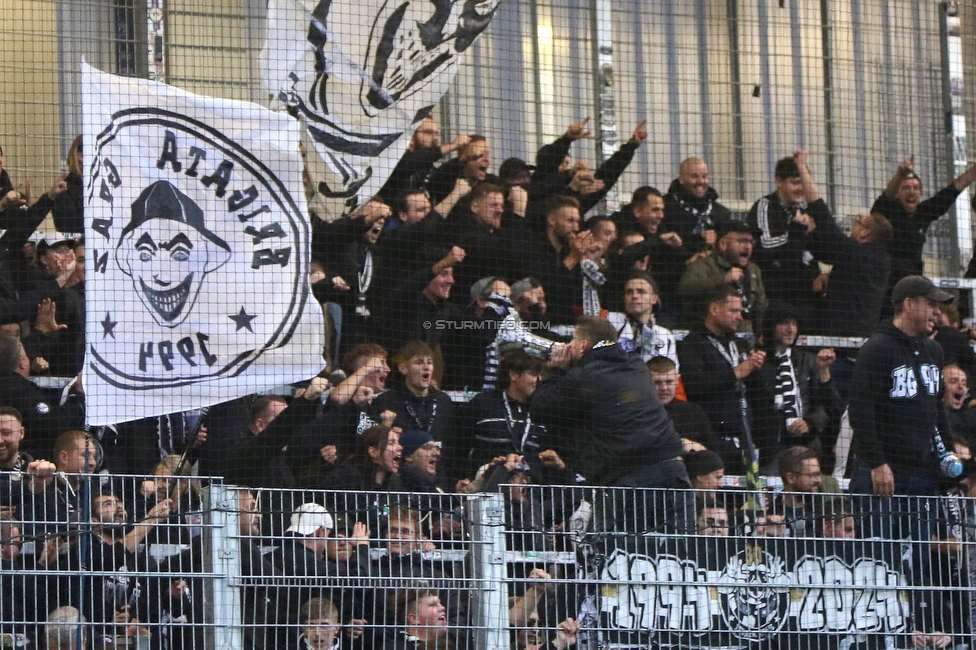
228 567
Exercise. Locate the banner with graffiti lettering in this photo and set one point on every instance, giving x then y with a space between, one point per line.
362 74
732 592
197 289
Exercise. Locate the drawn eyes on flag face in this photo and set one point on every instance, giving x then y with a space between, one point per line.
179 248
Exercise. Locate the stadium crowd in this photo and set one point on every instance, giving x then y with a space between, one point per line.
481 333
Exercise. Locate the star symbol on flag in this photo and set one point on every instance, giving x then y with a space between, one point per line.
108 326
242 319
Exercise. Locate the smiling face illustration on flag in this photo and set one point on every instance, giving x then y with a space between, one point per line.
199 288
168 252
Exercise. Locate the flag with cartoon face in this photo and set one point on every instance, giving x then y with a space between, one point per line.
196 224
362 74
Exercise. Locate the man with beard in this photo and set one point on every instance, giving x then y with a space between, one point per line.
419 405
730 264
691 207
40 472
799 468
602 402
119 600
715 367
424 150
566 266
41 414
861 263
788 267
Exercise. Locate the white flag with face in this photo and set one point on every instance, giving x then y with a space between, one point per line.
362 74
196 228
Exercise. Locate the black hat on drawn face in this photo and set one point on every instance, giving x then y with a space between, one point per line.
162 200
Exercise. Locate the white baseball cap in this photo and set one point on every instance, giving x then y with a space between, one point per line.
309 518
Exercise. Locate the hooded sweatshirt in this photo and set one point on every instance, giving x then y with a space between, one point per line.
896 402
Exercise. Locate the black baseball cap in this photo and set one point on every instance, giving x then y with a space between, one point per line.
916 286
725 227
512 167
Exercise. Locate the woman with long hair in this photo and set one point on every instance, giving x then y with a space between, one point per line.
69 208
374 467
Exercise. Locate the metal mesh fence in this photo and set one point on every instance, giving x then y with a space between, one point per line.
505 296
521 567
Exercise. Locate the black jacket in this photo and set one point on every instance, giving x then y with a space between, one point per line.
406 314
410 174
858 281
710 383
666 263
896 402
963 423
69 206
688 215
607 407
563 286
909 228
780 250
434 414
259 460
489 433
691 422
43 418
822 404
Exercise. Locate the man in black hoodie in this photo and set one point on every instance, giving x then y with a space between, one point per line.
896 397
602 402
898 418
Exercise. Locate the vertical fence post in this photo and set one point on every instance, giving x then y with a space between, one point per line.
606 114
222 559
490 595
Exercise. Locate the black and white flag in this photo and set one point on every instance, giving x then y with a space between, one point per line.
362 74
195 223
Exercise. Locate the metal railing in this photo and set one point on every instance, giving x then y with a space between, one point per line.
230 567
